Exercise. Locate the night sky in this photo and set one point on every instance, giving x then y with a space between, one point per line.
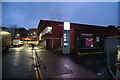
28 14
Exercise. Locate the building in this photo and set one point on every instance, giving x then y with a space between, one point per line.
33 33
82 37
32 37
3 28
20 33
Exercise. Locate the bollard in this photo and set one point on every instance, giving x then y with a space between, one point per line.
118 71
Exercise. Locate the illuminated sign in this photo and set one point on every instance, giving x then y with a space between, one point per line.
85 34
89 42
65 44
66 26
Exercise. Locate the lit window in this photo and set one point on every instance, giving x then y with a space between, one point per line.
34 32
18 34
46 30
49 29
97 39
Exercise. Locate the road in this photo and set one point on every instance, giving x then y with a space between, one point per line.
19 63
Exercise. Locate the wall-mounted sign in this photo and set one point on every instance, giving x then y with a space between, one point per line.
89 42
86 34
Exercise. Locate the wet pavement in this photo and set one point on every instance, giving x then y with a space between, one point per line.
19 63
62 66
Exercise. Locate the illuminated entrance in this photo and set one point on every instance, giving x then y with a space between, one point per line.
85 40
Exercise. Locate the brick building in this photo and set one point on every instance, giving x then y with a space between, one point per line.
33 33
82 36
20 33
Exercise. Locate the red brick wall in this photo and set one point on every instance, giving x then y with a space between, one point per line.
32 31
72 40
57 32
56 43
76 30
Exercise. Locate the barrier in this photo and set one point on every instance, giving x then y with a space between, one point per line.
112 47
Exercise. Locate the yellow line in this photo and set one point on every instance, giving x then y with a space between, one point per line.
36 74
40 73
89 53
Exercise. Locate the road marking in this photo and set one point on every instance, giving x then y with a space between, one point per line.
37 69
40 73
36 74
90 53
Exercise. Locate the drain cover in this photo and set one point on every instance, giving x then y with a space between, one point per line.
60 69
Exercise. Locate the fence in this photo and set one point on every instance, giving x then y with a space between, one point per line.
112 50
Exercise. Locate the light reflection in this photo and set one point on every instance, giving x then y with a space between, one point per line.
65 75
69 65
118 56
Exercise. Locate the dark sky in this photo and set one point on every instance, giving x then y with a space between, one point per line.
28 14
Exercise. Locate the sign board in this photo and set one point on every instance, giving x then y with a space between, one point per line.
66 25
66 38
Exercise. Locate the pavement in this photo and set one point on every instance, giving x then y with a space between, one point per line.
62 66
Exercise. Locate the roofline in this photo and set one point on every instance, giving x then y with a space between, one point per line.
75 23
33 29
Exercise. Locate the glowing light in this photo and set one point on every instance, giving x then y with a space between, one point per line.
66 26
91 45
34 32
64 39
4 32
18 34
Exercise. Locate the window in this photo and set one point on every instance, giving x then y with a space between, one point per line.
18 34
34 32
48 29
97 39
85 40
